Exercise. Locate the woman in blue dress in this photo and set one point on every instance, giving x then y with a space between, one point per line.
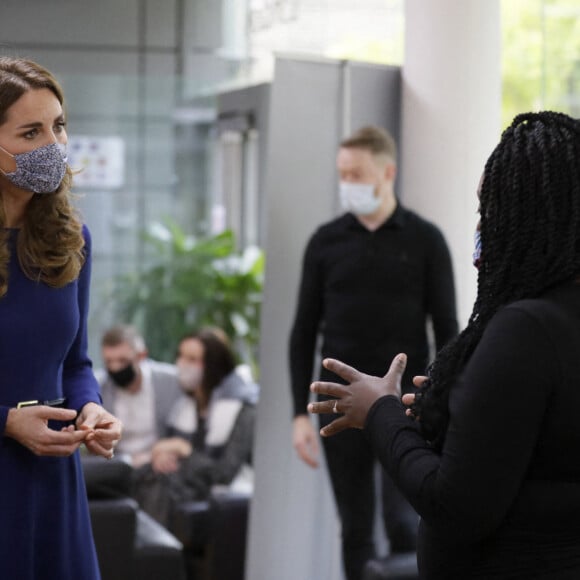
49 399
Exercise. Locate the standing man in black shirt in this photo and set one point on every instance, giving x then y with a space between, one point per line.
370 280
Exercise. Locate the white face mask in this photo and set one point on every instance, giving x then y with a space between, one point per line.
359 198
189 377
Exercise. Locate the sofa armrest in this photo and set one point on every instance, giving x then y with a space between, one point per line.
158 553
114 518
106 478
192 525
150 534
395 567
226 555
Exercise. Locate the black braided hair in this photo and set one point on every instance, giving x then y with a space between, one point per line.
530 240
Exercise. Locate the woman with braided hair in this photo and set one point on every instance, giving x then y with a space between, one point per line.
490 461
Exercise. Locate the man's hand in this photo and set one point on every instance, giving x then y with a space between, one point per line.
305 440
353 400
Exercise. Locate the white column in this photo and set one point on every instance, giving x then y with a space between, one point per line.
451 119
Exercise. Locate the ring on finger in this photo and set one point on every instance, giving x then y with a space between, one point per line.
335 408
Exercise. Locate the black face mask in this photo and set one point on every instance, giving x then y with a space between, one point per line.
123 377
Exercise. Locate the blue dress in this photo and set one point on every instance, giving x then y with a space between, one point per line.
45 531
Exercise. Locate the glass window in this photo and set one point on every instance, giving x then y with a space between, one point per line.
540 63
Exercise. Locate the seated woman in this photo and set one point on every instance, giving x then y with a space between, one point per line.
210 429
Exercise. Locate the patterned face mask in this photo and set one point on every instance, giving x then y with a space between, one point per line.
40 170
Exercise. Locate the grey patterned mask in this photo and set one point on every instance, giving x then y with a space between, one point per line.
40 170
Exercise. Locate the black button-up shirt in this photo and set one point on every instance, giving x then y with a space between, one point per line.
370 293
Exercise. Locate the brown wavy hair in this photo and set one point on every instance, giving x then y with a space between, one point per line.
50 244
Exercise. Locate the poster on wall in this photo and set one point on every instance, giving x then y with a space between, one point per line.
98 162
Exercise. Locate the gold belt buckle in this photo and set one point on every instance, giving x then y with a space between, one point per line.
52 403
26 404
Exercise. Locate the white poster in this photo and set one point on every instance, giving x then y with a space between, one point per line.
97 162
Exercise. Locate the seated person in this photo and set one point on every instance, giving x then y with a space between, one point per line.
141 392
212 428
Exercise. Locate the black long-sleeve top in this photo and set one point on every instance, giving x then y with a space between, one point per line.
370 293
502 500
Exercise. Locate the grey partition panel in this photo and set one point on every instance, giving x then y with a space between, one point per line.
375 96
294 530
303 133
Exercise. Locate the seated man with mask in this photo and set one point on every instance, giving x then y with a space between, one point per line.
140 391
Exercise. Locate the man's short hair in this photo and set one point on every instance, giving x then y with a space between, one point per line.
123 333
374 139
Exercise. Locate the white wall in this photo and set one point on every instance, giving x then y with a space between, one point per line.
451 119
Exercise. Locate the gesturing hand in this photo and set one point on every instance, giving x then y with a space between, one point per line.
409 398
354 399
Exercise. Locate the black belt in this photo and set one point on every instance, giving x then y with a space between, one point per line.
50 403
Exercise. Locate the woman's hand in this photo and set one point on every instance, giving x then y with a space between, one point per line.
167 454
176 445
409 398
29 426
165 462
102 430
354 399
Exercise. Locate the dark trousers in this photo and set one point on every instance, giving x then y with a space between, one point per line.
351 465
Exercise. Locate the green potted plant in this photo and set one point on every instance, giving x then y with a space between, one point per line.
188 283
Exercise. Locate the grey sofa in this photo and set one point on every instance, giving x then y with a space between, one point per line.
130 544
